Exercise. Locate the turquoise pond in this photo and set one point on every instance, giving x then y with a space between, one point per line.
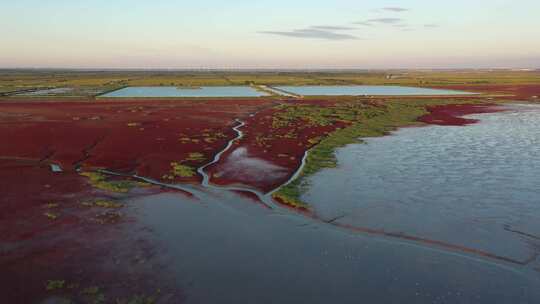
367 90
224 91
246 91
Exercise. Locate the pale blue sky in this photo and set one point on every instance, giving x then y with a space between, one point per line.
270 34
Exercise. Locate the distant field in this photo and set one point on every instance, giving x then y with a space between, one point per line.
91 83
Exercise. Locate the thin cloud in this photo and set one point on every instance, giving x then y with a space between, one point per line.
397 22
395 9
385 20
364 23
312 33
332 28
408 28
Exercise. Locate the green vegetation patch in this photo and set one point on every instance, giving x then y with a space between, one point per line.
207 137
366 121
51 215
89 84
180 170
51 205
106 204
315 115
99 181
196 156
288 197
55 285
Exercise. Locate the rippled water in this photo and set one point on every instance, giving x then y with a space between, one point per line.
366 90
218 91
477 186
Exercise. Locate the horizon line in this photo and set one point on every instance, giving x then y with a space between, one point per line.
518 68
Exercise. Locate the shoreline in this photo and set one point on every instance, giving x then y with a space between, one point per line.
374 118
446 114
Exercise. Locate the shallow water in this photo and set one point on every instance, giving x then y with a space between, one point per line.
56 168
366 90
225 248
223 91
476 186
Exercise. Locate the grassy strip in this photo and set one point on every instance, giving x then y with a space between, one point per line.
101 182
374 121
92 83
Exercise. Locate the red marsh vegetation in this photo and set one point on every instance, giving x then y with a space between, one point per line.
271 150
452 115
162 139
62 239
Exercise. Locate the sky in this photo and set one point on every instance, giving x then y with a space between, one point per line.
295 34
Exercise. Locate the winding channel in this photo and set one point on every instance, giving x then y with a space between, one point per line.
266 199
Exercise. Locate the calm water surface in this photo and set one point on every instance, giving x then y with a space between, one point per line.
223 91
245 91
227 249
476 186
367 90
